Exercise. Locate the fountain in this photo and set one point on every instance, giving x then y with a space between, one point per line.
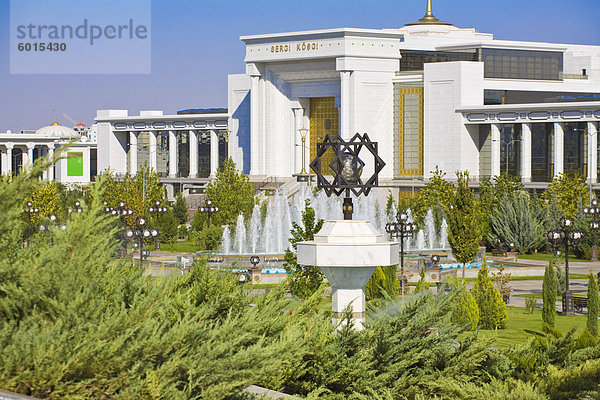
253 236
421 240
240 235
226 241
444 234
430 229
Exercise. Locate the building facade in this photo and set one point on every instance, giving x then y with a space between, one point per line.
185 149
76 167
431 94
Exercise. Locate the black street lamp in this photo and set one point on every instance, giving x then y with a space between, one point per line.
594 212
76 209
402 229
30 210
208 208
567 235
158 210
44 227
122 211
142 233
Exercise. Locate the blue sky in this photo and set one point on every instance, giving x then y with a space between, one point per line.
195 44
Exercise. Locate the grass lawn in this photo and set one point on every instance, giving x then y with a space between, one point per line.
183 246
520 321
544 257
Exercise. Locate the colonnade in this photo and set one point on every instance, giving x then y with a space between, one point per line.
173 151
27 151
557 146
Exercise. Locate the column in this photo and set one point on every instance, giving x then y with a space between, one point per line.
9 149
298 124
133 153
214 153
345 105
559 148
3 162
30 148
495 156
50 157
254 127
592 136
193 153
152 153
526 153
172 155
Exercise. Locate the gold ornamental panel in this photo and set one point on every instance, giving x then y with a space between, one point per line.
410 131
324 119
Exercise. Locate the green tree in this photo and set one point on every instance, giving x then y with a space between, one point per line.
208 238
168 227
593 306
465 311
383 280
492 193
232 192
180 208
375 284
492 310
514 220
47 200
436 191
568 191
549 290
464 225
139 191
303 280
422 284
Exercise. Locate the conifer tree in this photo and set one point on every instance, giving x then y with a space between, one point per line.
549 289
593 306
303 280
180 208
464 225
465 311
422 284
232 192
492 310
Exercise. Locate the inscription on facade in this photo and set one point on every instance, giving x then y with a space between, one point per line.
297 47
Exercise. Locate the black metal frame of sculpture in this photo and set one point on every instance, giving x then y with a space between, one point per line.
347 168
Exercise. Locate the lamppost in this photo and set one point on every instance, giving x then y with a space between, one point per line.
122 211
209 209
76 209
54 223
567 235
594 212
158 210
30 210
142 233
255 272
303 134
506 145
401 229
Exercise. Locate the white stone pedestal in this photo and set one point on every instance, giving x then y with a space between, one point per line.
348 253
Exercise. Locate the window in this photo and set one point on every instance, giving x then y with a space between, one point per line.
522 64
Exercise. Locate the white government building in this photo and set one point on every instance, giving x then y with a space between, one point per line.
431 94
78 165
